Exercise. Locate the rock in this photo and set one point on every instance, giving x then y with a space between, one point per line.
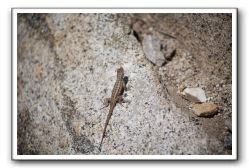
194 94
58 113
152 50
205 109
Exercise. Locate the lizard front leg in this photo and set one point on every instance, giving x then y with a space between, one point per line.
106 102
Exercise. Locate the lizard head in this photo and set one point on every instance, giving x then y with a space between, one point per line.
120 71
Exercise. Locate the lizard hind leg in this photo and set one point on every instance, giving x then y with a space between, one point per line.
120 100
106 103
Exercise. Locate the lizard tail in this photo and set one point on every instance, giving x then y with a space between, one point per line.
100 146
106 123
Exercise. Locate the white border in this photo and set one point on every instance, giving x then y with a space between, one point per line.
123 10
15 11
234 84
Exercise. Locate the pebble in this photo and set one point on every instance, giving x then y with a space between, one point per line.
205 109
195 94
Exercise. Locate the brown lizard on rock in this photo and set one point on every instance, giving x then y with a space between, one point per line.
116 97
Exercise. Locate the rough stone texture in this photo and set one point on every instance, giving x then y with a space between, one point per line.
205 109
203 59
66 67
194 94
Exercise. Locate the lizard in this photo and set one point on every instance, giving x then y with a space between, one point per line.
116 97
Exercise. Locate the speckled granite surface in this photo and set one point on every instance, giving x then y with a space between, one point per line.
67 65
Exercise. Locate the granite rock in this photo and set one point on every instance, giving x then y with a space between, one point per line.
66 67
